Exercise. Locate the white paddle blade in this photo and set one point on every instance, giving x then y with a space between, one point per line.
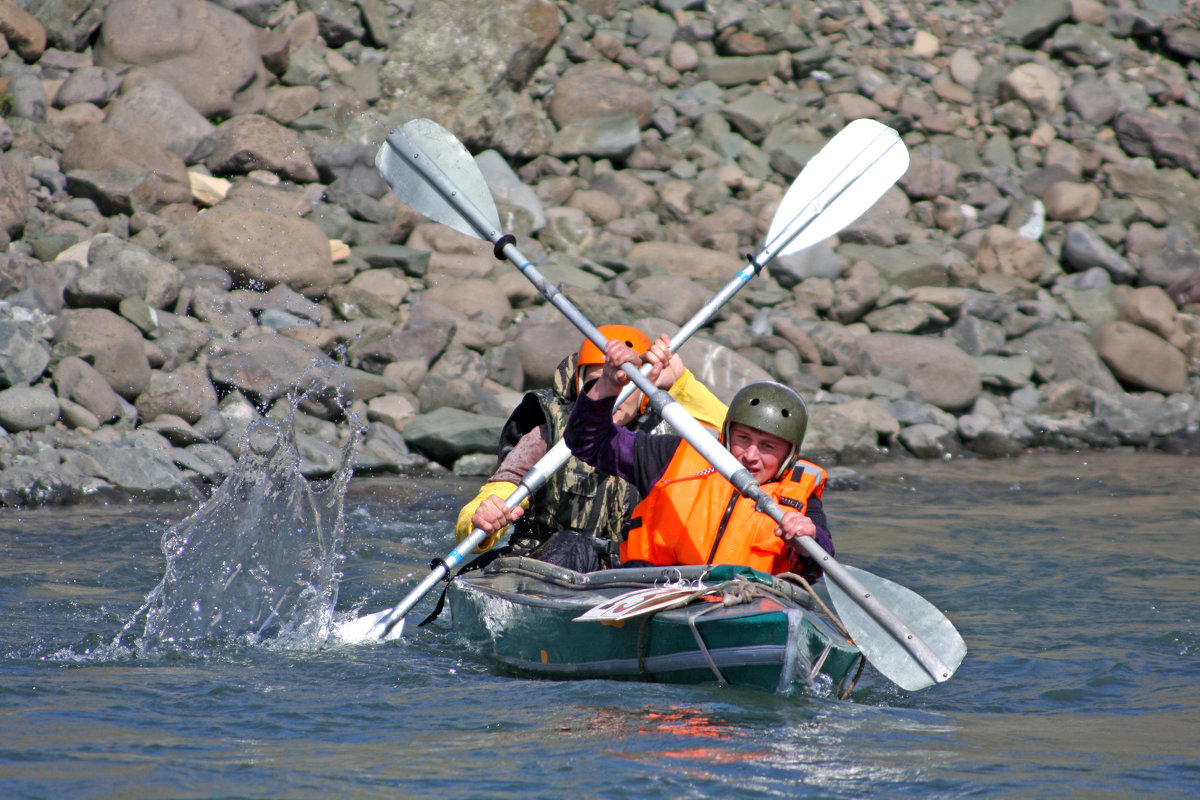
397 161
881 648
358 630
838 185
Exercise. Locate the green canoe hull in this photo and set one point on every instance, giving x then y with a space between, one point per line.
521 613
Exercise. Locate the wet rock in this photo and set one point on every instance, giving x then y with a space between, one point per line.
267 367
134 466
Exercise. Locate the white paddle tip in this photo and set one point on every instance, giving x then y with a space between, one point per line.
363 629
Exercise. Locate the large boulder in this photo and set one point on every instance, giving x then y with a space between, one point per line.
936 369
101 148
1141 358
492 48
208 53
113 345
257 248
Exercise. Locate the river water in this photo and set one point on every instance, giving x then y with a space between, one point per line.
1072 577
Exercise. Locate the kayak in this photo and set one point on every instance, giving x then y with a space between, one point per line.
727 625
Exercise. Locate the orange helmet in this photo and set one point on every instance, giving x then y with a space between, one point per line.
590 354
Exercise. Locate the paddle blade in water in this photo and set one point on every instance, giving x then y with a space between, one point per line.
838 185
399 162
359 629
881 648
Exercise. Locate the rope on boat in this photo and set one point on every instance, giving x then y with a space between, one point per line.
816 599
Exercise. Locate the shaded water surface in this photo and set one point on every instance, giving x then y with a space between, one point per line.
1073 579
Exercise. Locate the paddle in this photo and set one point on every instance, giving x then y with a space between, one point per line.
837 186
456 206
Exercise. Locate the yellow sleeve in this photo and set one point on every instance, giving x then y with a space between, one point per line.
698 400
463 527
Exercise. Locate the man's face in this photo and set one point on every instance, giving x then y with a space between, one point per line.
758 451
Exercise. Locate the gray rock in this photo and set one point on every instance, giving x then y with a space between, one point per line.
24 355
267 367
1143 133
838 434
672 298
220 462
250 142
209 54
1083 249
1005 372
1140 358
14 199
506 187
423 343
114 346
185 393
157 111
27 98
76 416
929 441
1085 44
610 137
506 48
1031 21
937 370
117 270
257 248
175 430
137 467
151 173
385 449
79 382
1068 354
87 85
27 408
68 24
447 434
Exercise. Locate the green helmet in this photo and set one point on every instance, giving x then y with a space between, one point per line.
773 408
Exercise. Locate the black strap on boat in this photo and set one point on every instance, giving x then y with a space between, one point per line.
478 563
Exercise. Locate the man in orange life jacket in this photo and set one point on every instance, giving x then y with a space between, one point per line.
691 514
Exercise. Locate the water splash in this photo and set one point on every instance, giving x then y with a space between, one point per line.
259 561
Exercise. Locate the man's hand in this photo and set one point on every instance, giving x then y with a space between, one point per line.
494 515
613 377
668 366
793 526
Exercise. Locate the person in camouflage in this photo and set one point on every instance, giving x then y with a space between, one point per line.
577 519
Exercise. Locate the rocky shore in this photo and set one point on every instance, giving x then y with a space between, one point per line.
194 235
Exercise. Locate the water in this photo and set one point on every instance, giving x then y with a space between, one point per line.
1072 578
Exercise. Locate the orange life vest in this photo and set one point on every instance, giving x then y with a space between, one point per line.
694 516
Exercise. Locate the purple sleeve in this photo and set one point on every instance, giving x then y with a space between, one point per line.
595 440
